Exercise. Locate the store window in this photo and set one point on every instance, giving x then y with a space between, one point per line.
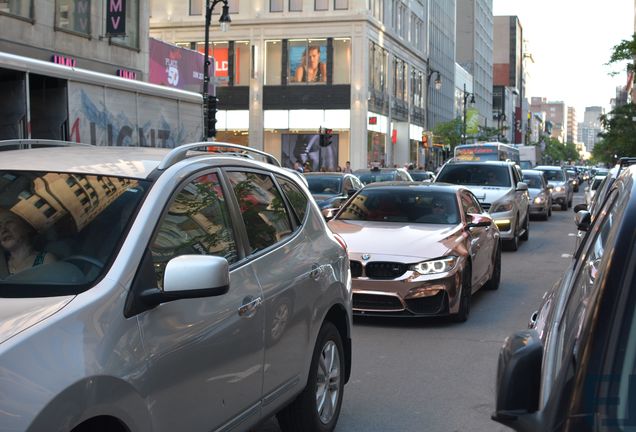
273 62
196 7
341 61
73 15
241 63
377 68
219 52
321 5
22 8
276 5
131 39
307 61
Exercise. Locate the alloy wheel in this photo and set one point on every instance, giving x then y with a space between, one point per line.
328 382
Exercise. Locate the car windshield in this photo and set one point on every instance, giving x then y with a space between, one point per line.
376 176
420 175
323 185
59 231
554 175
475 175
533 182
402 205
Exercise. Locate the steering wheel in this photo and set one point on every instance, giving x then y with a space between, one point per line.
86 260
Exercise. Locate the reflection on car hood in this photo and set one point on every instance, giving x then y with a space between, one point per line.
533 192
488 194
397 241
18 314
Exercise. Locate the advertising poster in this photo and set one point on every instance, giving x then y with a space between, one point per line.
304 148
176 67
219 55
308 63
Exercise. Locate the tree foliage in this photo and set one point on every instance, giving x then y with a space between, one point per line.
624 51
619 136
449 133
556 152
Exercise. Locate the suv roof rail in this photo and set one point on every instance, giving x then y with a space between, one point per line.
180 153
21 144
625 162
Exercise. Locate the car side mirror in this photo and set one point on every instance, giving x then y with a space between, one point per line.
329 213
521 186
579 207
583 220
518 377
478 220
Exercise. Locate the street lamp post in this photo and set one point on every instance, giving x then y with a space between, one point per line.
472 101
225 21
438 86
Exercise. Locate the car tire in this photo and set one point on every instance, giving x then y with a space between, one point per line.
564 206
549 212
317 408
569 203
526 233
495 278
465 294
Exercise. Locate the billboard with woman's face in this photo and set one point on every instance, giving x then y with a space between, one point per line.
307 62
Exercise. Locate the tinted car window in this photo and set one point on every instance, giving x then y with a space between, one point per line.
402 205
296 197
196 223
470 204
372 177
533 182
475 175
324 185
554 175
262 208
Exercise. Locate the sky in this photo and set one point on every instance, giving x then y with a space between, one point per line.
570 42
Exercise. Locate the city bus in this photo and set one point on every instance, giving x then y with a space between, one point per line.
487 151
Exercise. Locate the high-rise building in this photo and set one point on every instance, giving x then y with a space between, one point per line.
286 68
590 127
571 135
474 51
508 73
555 114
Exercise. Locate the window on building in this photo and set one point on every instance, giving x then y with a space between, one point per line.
241 63
219 52
196 7
276 5
377 68
23 8
73 15
377 9
341 4
341 61
307 61
273 62
321 5
295 5
131 39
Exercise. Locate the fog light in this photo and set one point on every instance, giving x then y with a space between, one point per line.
503 224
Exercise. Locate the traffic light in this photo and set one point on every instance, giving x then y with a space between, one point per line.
326 138
212 109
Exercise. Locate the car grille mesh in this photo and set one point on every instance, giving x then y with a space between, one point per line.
485 206
376 302
434 305
356 268
385 270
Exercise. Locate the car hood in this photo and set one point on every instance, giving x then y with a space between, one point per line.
534 192
488 194
557 183
18 314
398 241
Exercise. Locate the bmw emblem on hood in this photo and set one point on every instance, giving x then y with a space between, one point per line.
366 257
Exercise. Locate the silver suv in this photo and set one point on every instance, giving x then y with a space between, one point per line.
500 189
152 289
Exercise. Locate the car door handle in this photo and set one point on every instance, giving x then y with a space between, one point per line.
316 271
249 306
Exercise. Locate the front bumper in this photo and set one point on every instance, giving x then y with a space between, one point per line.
559 197
506 222
409 295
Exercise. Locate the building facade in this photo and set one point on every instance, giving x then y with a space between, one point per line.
589 129
285 69
572 134
555 114
474 51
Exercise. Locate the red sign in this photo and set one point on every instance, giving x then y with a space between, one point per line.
124 73
373 120
394 136
221 62
63 60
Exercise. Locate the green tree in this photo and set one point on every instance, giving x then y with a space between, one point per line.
556 152
448 133
619 136
624 51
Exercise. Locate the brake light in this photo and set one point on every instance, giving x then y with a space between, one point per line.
341 241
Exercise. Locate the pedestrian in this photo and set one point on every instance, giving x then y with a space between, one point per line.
347 168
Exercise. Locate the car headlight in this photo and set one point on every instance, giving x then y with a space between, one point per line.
539 199
501 207
440 265
559 189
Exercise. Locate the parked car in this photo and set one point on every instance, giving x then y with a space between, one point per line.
185 290
573 369
418 249
376 174
500 189
332 189
592 188
540 196
421 175
561 187
573 177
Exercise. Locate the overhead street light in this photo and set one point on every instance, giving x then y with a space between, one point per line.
467 94
209 117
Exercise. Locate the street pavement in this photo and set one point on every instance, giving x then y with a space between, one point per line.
436 376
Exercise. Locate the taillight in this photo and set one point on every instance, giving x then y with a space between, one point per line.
341 241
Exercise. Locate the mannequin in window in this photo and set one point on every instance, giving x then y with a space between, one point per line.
311 69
